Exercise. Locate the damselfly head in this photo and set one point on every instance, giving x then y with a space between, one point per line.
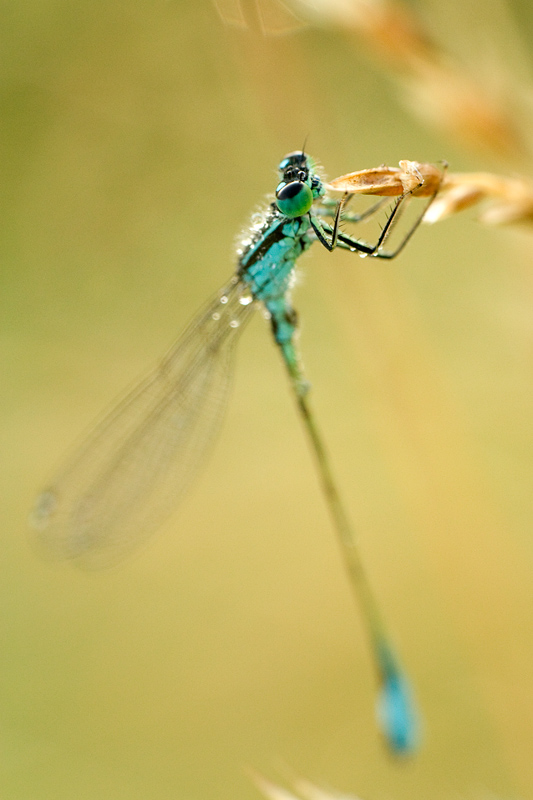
299 185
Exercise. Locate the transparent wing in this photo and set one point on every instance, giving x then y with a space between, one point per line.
134 467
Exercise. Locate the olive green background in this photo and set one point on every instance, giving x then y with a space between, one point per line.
136 139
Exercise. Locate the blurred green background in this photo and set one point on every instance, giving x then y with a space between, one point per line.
136 138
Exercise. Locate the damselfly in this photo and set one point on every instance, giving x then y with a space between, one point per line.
133 468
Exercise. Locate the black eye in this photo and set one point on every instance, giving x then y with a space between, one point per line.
294 199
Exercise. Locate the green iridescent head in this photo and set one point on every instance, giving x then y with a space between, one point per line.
299 186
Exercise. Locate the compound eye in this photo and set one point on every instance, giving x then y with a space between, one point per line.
294 199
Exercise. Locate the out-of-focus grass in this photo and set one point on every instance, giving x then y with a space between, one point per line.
136 139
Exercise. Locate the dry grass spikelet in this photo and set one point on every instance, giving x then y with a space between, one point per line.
504 200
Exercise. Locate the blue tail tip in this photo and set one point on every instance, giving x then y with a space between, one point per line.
397 715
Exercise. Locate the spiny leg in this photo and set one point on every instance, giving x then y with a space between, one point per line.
322 230
346 243
349 243
328 208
